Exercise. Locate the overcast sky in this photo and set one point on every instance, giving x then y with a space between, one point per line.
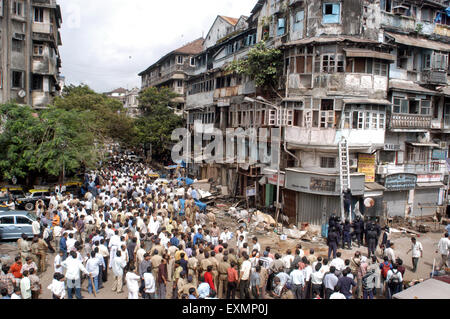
106 43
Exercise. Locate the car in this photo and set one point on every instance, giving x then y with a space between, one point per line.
16 192
15 223
28 203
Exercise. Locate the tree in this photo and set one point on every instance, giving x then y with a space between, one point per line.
21 133
263 65
110 121
68 142
158 120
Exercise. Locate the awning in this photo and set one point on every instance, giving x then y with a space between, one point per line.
409 86
367 101
430 185
419 42
423 144
365 53
374 187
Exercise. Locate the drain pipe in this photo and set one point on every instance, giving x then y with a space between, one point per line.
288 152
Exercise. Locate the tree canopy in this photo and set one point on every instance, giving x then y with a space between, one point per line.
262 65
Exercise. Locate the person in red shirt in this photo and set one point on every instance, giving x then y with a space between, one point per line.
209 278
16 268
232 281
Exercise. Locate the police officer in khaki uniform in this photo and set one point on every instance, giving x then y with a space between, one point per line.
223 277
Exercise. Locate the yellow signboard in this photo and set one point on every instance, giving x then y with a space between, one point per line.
366 166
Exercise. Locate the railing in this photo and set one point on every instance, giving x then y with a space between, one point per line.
434 77
410 121
412 168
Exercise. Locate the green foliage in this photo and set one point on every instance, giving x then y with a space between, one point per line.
158 120
45 143
110 119
262 65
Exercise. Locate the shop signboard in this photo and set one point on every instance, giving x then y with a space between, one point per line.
400 182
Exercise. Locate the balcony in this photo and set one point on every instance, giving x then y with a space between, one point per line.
410 122
436 77
397 22
412 168
44 3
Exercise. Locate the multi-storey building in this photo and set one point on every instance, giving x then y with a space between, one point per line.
371 73
29 59
171 71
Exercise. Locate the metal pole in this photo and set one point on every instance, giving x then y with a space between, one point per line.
278 171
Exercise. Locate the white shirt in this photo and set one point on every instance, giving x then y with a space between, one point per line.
287 261
225 237
397 273
58 288
132 281
389 252
256 246
416 249
297 277
307 272
443 246
245 270
317 277
57 264
25 287
73 267
36 227
338 263
92 265
149 283
337 295
14 296
118 264
70 243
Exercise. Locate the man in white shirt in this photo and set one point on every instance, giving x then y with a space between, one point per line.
149 282
337 294
245 277
443 249
92 266
73 267
133 282
118 263
287 260
225 236
417 252
57 263
298 282
338 263
36 226
389 252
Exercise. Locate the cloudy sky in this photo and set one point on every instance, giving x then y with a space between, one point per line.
106 43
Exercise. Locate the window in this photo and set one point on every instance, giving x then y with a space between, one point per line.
327 162
417 154
23 220
331 63
9 220
425 107
281 26
401 105
38 49
331 13
39 15
179 59
367 117
18 79
386 5
427 61
36 82
440 61
179 83
17 45
1 8
17 8
427 15
192 62
380 68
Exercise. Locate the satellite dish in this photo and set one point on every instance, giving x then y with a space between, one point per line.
22 94
369 202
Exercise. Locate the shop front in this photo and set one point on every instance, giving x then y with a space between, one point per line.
318 194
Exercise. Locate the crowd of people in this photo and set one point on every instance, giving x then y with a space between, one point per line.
153 238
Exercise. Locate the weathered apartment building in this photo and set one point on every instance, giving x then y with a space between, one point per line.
171 71
29 58
366 105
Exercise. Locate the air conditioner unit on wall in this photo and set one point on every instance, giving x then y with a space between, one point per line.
443 145
382 170
353 163
19 36
400 10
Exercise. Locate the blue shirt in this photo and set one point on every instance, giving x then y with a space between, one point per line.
63 244
174 241
448 228
192 297
197 237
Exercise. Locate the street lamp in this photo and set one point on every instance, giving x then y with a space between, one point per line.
261 100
